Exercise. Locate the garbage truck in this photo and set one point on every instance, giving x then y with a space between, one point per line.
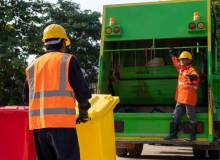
134 64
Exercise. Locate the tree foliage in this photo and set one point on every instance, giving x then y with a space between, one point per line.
216 8
84 31
21 27
18 29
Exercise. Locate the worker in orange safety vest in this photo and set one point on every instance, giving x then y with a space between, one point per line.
54 82
186 96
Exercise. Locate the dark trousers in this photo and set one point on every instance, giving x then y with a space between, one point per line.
56 144
180 109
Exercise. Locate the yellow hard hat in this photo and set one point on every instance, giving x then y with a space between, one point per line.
185 54
55 31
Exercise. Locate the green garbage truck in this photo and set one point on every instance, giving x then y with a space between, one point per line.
134 64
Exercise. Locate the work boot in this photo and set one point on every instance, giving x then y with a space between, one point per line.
192 137
173 131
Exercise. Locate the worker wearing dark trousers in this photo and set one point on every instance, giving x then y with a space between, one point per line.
186 96
54 83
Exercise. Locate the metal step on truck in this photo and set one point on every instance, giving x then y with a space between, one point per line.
134 64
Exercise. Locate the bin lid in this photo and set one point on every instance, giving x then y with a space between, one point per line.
14 110
101 104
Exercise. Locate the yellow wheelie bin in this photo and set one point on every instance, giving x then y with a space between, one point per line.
97 136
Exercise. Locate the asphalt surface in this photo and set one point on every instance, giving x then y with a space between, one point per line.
159 152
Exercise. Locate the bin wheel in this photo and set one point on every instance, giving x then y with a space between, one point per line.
121 152
136 151
199 153
213 154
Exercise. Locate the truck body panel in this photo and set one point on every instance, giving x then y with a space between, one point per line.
145 32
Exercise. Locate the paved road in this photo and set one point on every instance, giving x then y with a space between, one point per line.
158 152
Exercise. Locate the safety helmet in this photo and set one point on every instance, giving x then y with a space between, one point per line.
55 31
185 54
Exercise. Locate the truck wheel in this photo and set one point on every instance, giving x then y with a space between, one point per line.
121 152
136 151
213 154
199 153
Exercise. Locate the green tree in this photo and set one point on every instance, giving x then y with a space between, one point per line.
21 27
19 30
216 8
84 31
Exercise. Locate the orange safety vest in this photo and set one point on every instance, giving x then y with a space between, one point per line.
51 98
186 90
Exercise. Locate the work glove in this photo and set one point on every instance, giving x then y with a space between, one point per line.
171 52
192 77
83 114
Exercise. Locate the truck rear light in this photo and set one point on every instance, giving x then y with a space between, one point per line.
200 127
119 126
108 30
186 127
116 30
201 25
192 26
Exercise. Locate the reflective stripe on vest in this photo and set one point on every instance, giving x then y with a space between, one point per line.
60 92
46 111
181 71
187 85
177 65
52 94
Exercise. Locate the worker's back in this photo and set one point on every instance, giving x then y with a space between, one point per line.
52 99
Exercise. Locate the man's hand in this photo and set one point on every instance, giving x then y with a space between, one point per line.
171 52
83 116
192 77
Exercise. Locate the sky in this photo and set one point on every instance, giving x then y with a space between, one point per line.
95 5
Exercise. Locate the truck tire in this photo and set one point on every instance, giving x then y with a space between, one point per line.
136 151
121 152
213 154
199 153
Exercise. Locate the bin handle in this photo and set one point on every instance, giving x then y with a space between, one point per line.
8 112
90 114
88 119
